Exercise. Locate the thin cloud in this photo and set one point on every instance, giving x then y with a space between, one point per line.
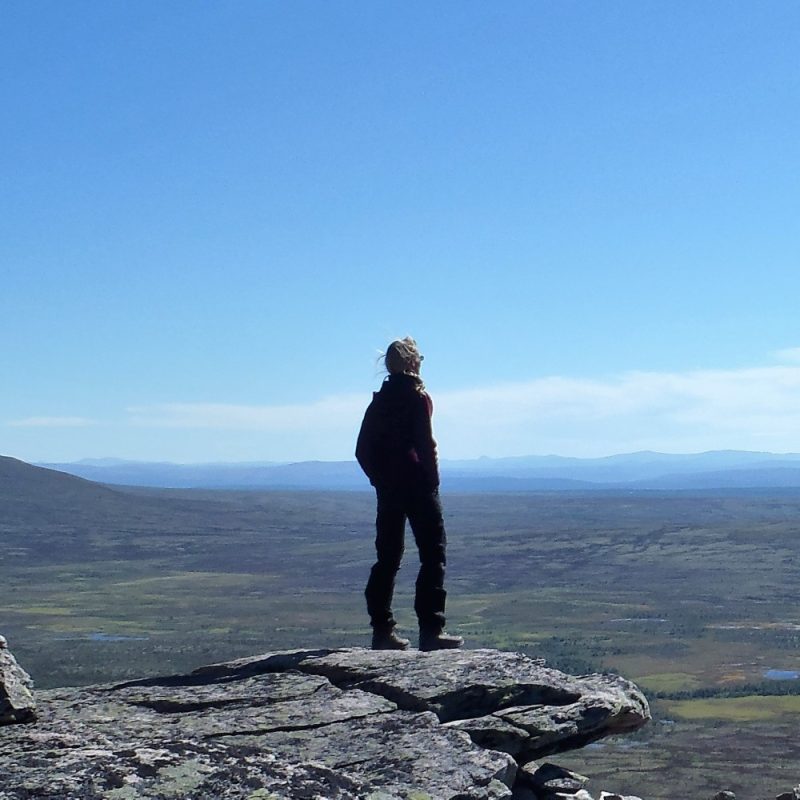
753 409
789 355
756 408
325 414
52 422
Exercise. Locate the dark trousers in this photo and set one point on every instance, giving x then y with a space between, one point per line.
423 509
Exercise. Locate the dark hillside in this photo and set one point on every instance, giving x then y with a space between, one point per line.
17 479
37 500
49 516
28 491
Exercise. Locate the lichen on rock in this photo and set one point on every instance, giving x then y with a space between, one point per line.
328 724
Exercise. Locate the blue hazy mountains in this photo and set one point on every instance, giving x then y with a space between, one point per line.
720 469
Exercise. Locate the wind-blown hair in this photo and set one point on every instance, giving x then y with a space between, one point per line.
402 356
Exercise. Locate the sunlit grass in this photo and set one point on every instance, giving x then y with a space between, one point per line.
41 610
735 709
668 682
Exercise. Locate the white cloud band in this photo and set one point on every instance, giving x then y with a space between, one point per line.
330 413
52 422
672 412
756 409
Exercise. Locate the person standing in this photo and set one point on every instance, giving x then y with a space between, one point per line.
397 452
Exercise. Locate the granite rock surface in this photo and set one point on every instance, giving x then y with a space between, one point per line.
16 689
317 724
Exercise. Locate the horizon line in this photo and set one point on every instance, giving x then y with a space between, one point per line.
115 461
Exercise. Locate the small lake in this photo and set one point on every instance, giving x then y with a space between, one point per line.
101 637
115 637
781 675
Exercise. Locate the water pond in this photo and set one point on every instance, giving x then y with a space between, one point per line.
781 675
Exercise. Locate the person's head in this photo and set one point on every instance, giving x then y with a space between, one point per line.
402 355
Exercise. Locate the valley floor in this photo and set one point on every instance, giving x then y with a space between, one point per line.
693 596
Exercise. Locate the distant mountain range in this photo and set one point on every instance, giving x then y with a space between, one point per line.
718 469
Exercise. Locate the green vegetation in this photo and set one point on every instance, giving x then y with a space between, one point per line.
735 709
692 596
665 683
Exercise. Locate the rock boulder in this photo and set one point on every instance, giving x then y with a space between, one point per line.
333 724
16 689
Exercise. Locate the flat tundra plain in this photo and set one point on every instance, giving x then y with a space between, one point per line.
693 596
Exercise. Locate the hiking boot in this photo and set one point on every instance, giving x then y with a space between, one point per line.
388 640
438 640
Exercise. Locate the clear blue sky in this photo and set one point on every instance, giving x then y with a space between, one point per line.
212 216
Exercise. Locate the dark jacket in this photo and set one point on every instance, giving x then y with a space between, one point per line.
396 445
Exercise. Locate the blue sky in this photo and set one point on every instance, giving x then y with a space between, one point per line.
214 215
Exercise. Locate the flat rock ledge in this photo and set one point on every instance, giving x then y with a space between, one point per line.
318 725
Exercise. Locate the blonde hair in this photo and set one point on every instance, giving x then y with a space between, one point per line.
402 355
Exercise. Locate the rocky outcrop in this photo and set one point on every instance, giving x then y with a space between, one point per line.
16 696
327 724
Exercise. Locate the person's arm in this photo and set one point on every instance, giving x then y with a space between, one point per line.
365 446
424 443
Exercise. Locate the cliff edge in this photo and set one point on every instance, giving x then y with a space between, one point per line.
320 724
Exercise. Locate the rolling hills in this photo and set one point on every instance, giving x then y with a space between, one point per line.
724 469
